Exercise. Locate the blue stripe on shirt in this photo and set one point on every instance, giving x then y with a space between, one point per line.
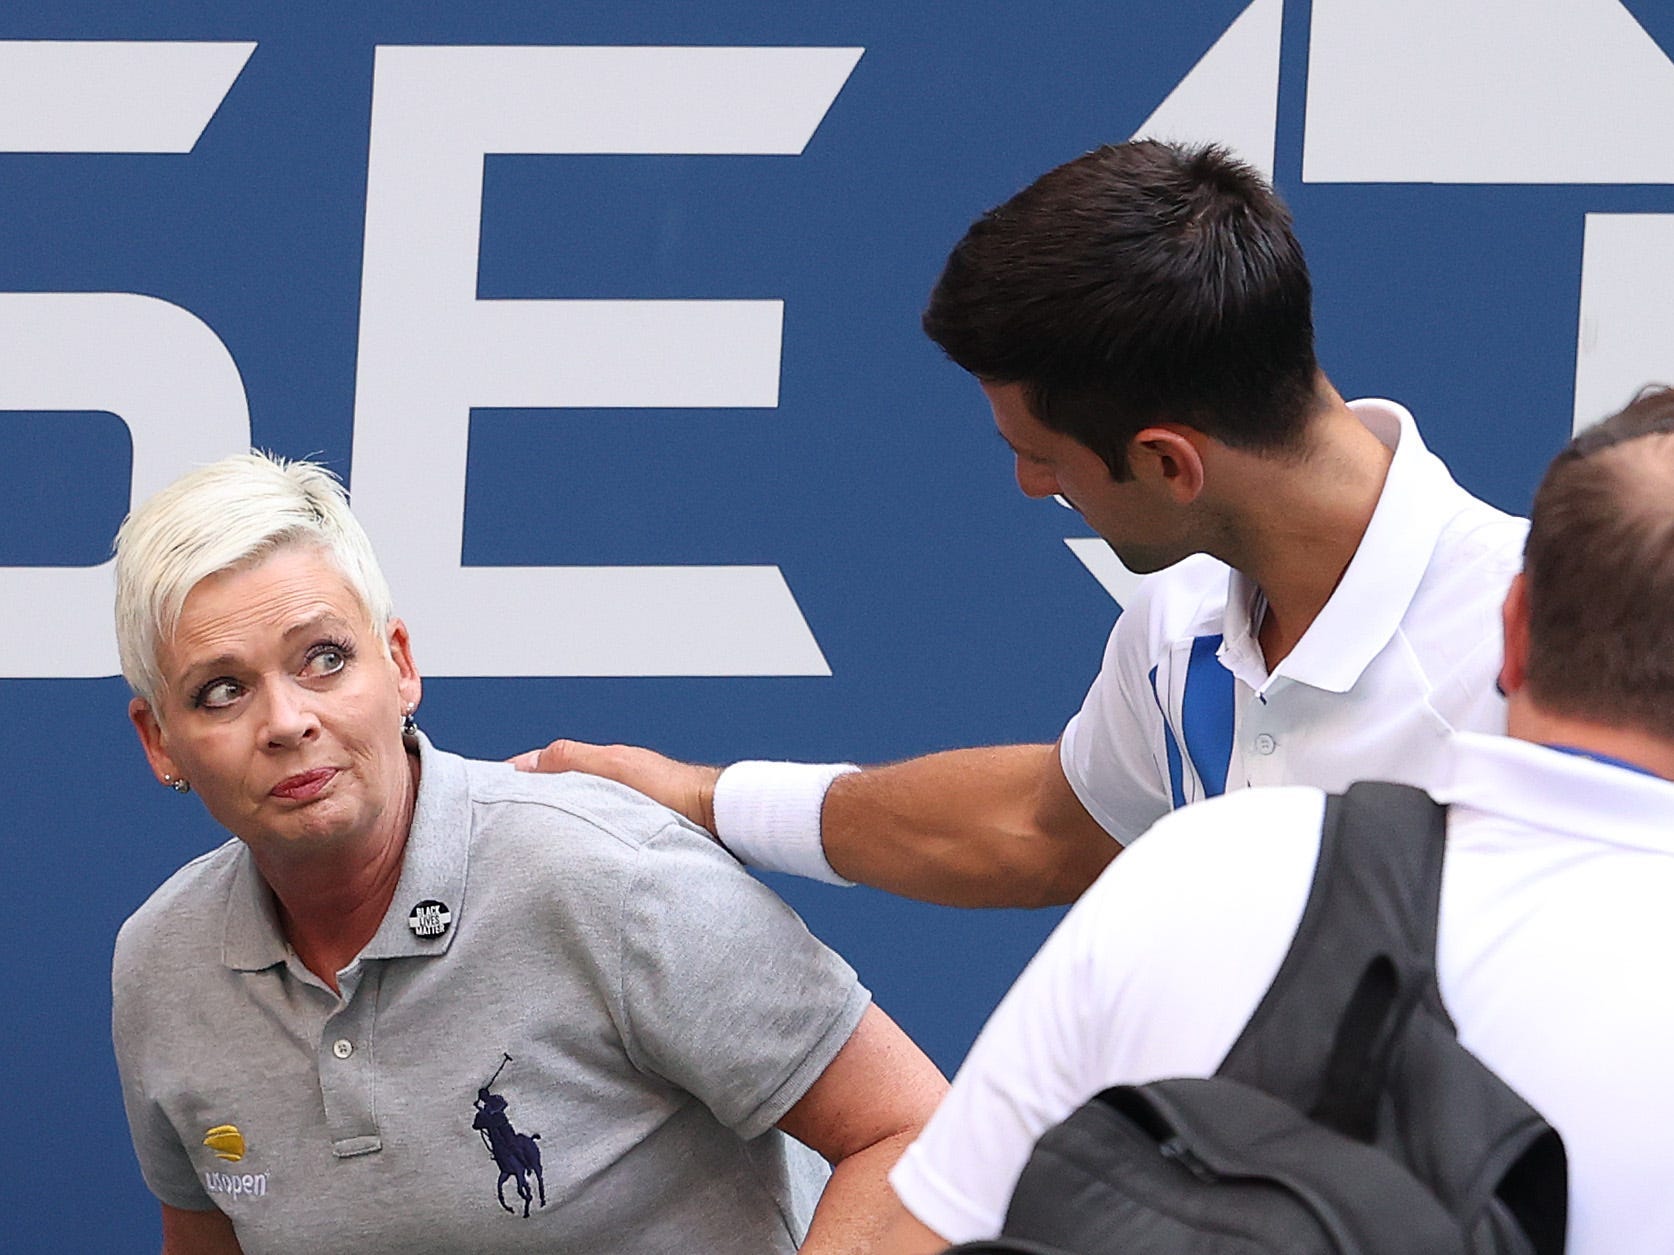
1206 715
1176 777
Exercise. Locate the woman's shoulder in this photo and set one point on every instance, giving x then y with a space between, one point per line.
585 815
572 842
185 913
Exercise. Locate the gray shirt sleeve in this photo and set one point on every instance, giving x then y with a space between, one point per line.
724 992
163 1160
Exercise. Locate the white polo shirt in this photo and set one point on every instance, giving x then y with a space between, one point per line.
1555 937
1404 653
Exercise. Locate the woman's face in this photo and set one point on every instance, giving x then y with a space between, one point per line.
282 707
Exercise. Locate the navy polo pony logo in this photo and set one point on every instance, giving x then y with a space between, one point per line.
514 1153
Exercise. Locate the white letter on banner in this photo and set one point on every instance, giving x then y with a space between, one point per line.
88 96
430 350
154 365
170 379
1626 335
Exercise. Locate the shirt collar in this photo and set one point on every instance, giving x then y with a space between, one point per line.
433 869
1383 576
251 938
434 864
1547 788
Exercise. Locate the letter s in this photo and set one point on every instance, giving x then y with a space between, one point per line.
154 365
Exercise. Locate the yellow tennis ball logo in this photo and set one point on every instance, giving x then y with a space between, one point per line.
226 1141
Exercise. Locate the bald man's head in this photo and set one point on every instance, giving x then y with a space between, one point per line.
1600 573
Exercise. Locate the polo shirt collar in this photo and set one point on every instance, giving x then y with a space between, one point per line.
434 864
433 869
1382 578
251 939
1544 788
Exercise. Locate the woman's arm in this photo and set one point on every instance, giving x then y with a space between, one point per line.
906 1234
860 1115
198 1233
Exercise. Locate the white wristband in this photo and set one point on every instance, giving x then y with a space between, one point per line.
768 815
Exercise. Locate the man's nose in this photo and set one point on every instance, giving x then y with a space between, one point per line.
1036 480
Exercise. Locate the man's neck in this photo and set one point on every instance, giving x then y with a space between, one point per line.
1527 721
1296 523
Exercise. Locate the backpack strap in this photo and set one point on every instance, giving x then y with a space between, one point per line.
1363 956
1353 1030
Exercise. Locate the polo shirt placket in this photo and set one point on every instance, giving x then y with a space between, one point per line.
347 1063
343 1025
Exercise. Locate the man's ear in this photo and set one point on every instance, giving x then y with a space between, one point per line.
152 740
1514 615
1168 458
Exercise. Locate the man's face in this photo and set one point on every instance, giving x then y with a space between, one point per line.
1143 527
281 703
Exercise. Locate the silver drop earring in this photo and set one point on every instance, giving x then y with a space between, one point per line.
409 725
176 783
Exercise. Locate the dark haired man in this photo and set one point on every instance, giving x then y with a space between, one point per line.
1554 930
1140 321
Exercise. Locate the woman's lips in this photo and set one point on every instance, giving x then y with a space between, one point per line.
301 787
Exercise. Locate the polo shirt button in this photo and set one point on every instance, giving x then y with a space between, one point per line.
342 1047
1265 744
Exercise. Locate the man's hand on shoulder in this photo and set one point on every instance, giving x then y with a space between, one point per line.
997 826
684 787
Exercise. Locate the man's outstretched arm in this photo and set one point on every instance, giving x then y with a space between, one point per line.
975 827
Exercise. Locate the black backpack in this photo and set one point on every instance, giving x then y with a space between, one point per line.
1347 1118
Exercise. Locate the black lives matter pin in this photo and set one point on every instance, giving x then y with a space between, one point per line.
429 918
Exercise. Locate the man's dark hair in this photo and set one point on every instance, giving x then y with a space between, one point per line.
1141 282
1599 570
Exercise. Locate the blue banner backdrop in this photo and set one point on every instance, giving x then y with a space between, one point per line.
735 504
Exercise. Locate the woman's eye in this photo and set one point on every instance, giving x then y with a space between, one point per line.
327 660
218 693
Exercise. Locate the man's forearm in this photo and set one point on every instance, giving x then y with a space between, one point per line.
974 827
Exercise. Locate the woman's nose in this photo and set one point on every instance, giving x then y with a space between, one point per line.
290 715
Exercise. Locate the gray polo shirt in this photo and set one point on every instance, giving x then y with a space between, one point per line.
590 981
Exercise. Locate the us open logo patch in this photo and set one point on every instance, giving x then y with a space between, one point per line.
226 1141
429 918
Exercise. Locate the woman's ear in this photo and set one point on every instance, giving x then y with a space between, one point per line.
152 740
406 671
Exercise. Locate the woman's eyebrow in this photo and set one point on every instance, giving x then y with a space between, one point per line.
326 619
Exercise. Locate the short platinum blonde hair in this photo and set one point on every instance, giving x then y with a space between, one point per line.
230 514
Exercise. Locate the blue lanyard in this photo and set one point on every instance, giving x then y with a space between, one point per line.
1605 759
